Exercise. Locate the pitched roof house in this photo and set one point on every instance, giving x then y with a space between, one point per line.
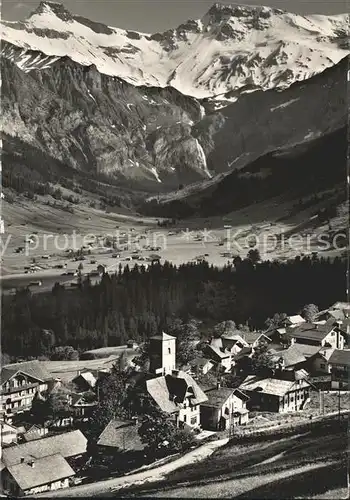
8 434
276 395
121 436
69 445
200 366
339 363
19 384
317 335
254 338
289 359
34 476
85 380
179 395
225 407
218 354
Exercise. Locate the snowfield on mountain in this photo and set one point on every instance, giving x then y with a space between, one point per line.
232 49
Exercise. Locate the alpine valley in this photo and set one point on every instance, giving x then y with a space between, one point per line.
129 116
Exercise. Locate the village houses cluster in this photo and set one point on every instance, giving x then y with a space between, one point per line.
44 457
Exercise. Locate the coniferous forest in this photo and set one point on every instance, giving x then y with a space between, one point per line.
136 303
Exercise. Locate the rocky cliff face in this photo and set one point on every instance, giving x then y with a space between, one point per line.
100 124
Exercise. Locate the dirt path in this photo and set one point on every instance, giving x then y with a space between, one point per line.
157 474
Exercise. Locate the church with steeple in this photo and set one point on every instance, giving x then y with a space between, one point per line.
174 391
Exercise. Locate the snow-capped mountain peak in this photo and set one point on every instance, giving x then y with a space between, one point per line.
229 50
51 8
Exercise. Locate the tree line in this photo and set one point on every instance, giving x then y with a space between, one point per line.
137 303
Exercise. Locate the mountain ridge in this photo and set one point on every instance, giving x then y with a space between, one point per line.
245 48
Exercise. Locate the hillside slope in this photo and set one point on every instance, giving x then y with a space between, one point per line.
97 124
296 467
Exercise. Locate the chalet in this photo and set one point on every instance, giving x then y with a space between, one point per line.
179 395
8 433
234 342
19 384
83 405
216 352
37 475
339 363
200 366
253 339
318 362
290 359
225 407
70 445
121 437
276 395
323 335
174 391
35 432
85 381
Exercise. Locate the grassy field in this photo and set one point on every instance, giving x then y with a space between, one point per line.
264 220
296 467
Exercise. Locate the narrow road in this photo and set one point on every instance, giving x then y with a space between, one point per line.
150 475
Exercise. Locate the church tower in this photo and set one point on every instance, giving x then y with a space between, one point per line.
162 354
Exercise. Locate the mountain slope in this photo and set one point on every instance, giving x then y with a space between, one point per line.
264 122
297 172
231 49
102 125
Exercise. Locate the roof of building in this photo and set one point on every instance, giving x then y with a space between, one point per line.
337 314
35 369
218 396
170 390
32 435
199 362
326 352
308 350
216 342
163 336
272 386
311 331
121 434
246 351
281 331
89 378
45 470
341 305
218 352
340 357
291 356
68 444
234 335
296 319
252 337
301 374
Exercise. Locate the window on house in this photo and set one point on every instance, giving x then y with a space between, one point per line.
322 365
185 418
193 420
169 350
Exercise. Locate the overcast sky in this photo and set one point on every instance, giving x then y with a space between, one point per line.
158 15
